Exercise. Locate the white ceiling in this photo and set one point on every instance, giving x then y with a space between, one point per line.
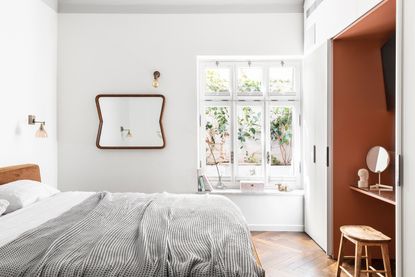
180 6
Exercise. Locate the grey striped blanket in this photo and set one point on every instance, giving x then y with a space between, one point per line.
131 234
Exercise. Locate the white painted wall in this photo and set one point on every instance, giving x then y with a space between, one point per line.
283 212
103 53
408 141
331 17
28 60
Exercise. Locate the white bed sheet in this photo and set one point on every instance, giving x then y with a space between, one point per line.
14 224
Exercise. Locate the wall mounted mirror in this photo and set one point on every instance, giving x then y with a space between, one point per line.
130 121
377 161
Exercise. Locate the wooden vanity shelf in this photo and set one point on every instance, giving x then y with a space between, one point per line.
385 196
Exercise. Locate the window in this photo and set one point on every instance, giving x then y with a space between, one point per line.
218 140
250 81
281 80
217 81
249 146
249 121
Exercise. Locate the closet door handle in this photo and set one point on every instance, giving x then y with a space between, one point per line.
314 154
400 170
328 156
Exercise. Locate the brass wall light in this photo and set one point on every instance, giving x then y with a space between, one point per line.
41 132
156 76
129 134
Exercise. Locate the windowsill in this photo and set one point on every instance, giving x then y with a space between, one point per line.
264 192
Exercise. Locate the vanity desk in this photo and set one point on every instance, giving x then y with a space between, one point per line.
377 160
385 196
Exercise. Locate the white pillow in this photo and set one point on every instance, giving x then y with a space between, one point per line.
24 192
3 206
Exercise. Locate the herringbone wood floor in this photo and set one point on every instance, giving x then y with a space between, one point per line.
285 254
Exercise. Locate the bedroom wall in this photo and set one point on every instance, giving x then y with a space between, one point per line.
103 53
28 61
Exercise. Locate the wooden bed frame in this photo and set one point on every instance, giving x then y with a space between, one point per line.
258 261
32 172
19 172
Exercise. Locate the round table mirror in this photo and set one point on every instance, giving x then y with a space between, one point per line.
377 161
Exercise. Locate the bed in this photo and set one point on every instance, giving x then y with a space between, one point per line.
124 234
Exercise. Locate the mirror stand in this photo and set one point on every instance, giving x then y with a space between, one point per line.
381 187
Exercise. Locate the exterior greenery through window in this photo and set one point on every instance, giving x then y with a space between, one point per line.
247 85
249 134
249 80
249 138
217 134
281 80
215 82
281 131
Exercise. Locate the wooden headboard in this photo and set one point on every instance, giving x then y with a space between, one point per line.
19 172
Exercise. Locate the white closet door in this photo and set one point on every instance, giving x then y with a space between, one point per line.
315 142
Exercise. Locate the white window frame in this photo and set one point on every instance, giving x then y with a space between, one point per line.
266 99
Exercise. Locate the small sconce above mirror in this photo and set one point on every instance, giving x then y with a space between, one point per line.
130 121
156 76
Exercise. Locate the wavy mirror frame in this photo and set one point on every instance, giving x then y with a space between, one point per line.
101 121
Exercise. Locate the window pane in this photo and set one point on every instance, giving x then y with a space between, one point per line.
281 135
281 80
249 152
218 80
218 140
250 79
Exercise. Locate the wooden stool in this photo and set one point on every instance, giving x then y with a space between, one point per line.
364 236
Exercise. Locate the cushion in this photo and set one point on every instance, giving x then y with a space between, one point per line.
24 192
3 206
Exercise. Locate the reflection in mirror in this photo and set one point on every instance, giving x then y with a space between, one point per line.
377 161
130 121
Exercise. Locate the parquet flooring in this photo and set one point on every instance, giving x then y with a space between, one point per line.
286 254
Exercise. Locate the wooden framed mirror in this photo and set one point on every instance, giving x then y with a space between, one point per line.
130 121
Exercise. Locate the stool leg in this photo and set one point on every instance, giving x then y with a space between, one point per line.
340 257
368 261
358 259
386 260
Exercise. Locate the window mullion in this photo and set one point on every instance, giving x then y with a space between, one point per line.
234 125
233 109
267 151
